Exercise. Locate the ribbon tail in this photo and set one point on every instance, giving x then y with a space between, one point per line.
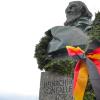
80 81
94 77
76 72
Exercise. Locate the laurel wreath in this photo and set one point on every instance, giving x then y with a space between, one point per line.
62 66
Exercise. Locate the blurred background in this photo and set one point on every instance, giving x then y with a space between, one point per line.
22 24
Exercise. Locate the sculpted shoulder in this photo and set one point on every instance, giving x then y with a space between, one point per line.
63 35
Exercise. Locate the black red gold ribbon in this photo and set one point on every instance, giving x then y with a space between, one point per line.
87 65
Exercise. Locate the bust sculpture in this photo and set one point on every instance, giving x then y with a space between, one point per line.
78 30
74 32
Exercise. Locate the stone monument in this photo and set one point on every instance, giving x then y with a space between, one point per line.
57 80
55 87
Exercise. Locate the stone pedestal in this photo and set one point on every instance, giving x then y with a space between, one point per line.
55 87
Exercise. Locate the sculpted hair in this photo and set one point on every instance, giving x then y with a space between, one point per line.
85 11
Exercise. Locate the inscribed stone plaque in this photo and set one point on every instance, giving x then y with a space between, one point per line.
55 87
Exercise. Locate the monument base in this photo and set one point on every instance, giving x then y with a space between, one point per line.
55 87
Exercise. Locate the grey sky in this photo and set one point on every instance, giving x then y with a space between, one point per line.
22 24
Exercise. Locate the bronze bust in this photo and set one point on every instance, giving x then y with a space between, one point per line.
77 31
74 32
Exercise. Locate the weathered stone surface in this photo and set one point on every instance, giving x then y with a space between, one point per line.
55 87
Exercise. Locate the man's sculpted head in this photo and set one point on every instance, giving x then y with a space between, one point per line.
75 10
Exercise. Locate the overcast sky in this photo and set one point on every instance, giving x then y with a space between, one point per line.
22 24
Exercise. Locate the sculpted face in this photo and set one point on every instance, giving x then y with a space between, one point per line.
73 11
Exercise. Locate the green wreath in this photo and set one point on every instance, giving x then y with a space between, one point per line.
95 30
62 66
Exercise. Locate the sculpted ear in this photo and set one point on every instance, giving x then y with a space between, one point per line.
83 10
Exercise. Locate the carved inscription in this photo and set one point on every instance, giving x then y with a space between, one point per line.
56 88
